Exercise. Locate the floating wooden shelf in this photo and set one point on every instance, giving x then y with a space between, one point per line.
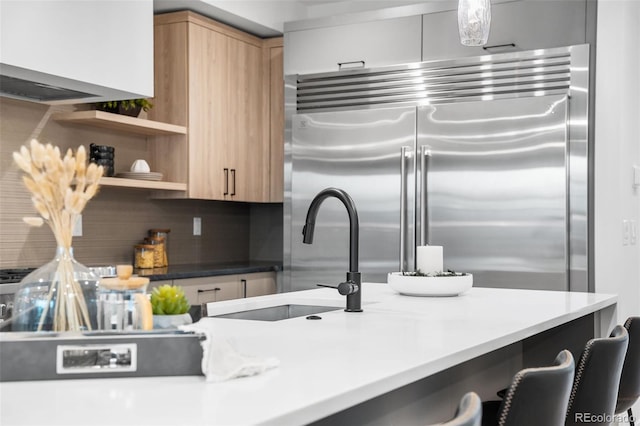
121 123
143 184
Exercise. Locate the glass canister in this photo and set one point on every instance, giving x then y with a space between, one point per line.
159 254
143 256
123 304
162 233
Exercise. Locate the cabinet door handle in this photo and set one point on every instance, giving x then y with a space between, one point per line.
499 46
209 289
244 288
226 182
233 179
350 65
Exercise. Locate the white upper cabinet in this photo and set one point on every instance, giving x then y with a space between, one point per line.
86 51
364 44
515 26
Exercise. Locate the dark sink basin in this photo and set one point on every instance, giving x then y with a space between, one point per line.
278 313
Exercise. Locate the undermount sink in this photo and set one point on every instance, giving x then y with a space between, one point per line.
278 313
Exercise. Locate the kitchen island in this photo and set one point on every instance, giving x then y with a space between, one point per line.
404 359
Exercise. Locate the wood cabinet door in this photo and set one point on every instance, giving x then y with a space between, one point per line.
228 290
276 121
226 77
246 138
209 113
258 284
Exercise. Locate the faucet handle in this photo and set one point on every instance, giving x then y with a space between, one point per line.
346 288
327 285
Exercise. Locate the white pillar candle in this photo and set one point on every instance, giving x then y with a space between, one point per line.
429 259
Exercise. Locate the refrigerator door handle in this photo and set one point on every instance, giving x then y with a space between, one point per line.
403 207
425 152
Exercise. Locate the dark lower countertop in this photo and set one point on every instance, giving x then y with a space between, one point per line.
176 272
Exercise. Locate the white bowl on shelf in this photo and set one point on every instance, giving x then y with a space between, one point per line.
140 166
409 285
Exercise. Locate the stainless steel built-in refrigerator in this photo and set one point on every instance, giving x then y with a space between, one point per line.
484 156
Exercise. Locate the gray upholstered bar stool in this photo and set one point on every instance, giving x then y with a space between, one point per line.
536 396
595 388
629 391
469 412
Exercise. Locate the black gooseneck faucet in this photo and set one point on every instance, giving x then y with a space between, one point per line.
352 287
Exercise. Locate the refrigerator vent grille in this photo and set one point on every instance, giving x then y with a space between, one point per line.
533 73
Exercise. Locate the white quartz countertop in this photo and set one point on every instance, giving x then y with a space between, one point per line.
326 365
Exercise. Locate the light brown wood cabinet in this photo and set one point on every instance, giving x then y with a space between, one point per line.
258 284
216 81
225 287
210 289
274 52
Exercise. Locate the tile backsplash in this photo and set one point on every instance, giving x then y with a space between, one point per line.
118 218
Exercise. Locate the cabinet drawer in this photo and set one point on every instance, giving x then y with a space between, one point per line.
377 43
515 26
217 292
210 289
226 287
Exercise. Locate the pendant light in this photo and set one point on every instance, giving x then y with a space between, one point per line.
474 20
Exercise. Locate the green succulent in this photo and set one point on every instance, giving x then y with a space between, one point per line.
169 300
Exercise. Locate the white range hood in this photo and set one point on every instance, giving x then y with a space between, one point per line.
69 51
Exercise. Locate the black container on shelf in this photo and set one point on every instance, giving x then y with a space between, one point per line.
101 155
104 156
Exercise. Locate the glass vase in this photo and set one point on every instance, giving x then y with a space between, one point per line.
59 296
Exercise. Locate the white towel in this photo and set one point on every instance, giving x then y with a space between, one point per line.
220 360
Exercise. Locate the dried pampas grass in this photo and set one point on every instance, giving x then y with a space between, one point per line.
60 188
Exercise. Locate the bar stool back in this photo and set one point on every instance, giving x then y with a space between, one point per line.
595 388
629 391
536 396
469 412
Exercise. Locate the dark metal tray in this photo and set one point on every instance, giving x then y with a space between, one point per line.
92 355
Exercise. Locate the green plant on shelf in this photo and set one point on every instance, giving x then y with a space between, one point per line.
127 104
169 300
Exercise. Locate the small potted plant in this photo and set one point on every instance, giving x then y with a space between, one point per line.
130 107
170 307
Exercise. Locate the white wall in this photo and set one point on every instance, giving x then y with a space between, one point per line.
617 149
